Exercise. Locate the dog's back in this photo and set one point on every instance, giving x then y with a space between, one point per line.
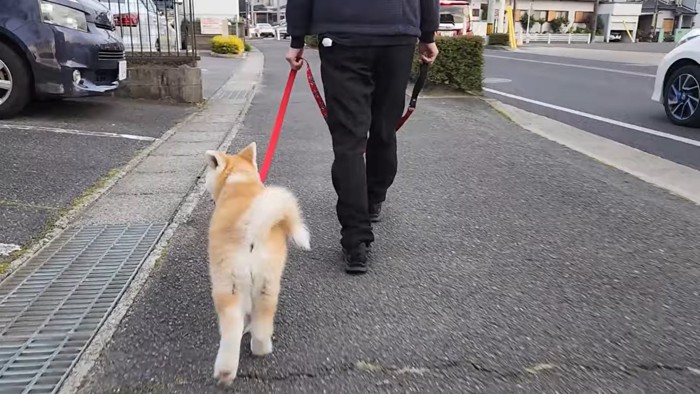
248 236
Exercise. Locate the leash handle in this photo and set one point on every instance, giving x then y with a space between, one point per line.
275 135
417 87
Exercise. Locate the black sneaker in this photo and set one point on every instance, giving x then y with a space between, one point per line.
356 259
374 211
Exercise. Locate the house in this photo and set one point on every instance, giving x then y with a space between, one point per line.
669 15
215 9
622 19
263 11
576 12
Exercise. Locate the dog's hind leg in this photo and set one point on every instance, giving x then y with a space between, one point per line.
231 320
263 317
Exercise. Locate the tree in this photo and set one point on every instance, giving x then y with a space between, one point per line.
524 18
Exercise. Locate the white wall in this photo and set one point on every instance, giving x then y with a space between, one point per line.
215 8
621 9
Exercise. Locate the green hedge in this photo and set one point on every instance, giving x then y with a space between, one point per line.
459 64
498 39
311 41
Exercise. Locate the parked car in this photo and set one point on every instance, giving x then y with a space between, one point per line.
615 36
677 82
142 26
56 49
264 30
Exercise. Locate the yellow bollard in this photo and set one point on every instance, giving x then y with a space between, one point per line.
511 27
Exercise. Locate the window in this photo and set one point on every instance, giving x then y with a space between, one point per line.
582 17
539 15
561 14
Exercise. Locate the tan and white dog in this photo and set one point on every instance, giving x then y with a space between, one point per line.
248 235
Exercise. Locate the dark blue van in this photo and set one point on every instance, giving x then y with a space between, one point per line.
55 49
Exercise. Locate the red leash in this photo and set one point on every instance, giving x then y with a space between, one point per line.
267 161
275 135
420 82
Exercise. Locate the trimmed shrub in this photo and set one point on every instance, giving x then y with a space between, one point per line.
230 45
556 24
459 64
247 47
498 39
311 41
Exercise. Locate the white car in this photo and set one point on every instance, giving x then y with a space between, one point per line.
141 26
264 30
677 83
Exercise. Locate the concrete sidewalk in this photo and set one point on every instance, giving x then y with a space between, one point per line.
505 263
628 56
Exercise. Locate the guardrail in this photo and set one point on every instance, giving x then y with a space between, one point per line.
155 30
550 38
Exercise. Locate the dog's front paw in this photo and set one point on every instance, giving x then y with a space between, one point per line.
225 370
224 377
261 347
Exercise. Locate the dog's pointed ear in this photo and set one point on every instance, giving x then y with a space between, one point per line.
214 160
250 154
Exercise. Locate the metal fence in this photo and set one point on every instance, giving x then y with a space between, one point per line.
155 30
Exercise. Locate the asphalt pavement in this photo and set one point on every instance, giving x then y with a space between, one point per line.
54 151
617 92
505 263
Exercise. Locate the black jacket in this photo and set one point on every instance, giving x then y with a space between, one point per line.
418 18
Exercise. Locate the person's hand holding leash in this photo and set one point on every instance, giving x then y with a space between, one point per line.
294 58
428 52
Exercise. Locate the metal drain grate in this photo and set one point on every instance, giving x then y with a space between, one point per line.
52 307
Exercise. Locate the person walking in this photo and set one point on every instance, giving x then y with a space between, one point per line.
366 49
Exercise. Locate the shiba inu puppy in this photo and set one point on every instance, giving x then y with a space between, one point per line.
248 234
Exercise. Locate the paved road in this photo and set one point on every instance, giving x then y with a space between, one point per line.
616 91
505 263
53 152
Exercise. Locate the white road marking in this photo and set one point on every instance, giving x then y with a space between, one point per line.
496 80
599 118
574 65
7 249
76 132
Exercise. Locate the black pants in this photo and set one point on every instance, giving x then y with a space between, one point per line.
365 91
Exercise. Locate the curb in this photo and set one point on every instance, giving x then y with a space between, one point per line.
675 178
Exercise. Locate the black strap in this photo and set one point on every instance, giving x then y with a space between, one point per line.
420 82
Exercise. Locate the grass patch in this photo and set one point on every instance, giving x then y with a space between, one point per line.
504 114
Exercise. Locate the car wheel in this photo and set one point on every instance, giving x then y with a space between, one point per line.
15 89
682 96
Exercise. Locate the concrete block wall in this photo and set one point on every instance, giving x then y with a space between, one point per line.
181 84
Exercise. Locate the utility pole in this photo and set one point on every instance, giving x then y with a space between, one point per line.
594 23
278 12
655 19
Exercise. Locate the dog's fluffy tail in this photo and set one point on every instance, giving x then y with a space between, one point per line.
277 205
